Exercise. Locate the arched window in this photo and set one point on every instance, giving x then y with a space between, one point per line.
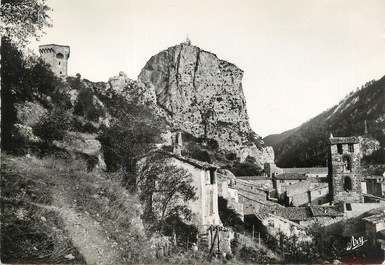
59 56
347 163
347 183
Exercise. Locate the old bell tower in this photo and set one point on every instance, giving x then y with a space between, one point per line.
56 56
344 172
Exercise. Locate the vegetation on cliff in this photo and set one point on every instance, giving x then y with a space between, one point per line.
306 145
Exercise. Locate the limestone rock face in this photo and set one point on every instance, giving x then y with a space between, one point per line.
203 95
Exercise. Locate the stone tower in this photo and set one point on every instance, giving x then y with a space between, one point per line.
176 139
56 56
344 165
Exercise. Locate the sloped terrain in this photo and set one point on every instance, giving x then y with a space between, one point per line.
55 212
306 145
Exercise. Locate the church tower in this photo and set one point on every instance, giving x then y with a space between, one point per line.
344 167
56 56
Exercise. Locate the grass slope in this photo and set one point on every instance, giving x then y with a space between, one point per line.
55 212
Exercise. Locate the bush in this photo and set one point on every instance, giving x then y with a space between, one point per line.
88 105
53 126
250 254
229 217
231 156
246 168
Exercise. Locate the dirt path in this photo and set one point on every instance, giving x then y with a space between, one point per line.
85 232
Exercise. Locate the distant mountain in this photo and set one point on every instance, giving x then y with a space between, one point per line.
306 145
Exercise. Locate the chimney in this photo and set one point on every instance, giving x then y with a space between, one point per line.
177 143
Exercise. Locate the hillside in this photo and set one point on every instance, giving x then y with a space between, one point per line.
62 214
71 187
306 144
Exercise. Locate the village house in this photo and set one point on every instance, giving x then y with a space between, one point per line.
284 179
273 224
226 189
204 179
375 185
373 225
305 193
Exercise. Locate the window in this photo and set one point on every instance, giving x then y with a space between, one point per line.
212 176
347 163
59 63
351 147
347 184
59 56
339 148
348 207
60 72
270 223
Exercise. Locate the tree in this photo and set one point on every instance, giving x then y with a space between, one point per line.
246 168
133 132
88 106
23 19
230 217
165 189
53 126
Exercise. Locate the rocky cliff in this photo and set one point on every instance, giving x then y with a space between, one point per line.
202 95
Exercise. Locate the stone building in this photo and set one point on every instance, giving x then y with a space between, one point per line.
204 179
344 165
375 185
284 179
57 57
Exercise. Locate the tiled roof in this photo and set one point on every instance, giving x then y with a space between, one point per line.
290 213
194 162
291 176
306 170
381 234
375 219
344 140
251 178
188 160
329 211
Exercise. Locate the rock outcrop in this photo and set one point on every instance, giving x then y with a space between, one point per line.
202 95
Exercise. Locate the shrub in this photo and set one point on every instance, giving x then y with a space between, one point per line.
53 126
231 156
246 168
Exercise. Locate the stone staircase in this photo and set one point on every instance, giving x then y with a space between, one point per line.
203 241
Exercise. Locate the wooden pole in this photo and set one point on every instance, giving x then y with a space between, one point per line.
253 234
211 235
218 240
259 238
187 244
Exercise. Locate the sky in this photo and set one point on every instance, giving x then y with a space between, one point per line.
299 57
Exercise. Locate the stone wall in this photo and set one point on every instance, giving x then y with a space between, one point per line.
296 188
275 223
224 236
